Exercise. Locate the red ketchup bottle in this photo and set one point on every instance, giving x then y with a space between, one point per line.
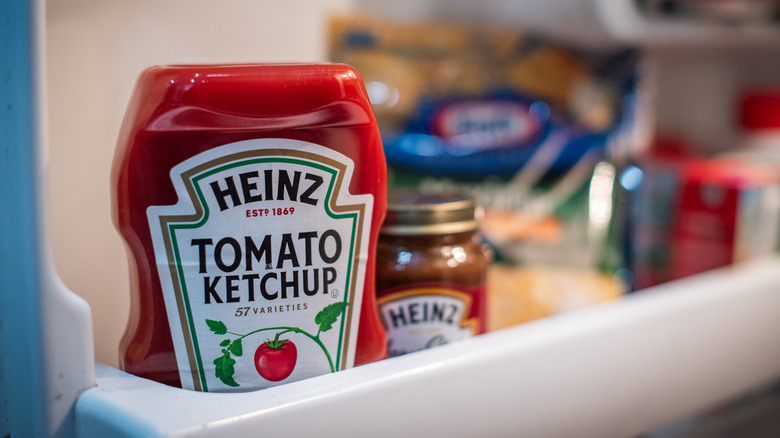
250 198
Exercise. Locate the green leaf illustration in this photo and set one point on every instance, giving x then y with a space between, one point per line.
224 369
236 348
225 364
217 327
329 315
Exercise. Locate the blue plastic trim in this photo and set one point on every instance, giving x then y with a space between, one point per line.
22 385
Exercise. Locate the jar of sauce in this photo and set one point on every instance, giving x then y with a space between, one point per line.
250 198
431 271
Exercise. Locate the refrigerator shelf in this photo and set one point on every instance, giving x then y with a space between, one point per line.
613 370
594 22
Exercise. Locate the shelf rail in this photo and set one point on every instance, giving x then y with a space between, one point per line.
613 370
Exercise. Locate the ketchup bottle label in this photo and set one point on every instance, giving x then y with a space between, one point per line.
424 317
262 263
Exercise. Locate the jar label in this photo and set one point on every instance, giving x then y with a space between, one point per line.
262 263
417 318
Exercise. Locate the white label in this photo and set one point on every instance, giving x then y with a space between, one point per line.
265 246
416 319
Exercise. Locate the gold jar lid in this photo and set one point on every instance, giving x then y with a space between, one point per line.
411 213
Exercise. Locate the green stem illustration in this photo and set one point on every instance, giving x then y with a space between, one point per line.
224 364
316 339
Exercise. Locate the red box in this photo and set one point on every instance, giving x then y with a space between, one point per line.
727 213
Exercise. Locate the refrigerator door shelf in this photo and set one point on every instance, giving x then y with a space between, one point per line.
614 370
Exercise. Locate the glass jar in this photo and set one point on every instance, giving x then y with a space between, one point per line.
431 271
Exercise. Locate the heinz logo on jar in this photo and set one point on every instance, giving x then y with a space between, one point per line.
262 263
421 318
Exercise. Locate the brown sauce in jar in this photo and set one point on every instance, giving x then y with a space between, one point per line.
431 271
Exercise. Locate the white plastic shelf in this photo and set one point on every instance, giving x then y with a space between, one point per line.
614 370
595 22
624 22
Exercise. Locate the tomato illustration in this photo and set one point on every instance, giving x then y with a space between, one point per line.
275 360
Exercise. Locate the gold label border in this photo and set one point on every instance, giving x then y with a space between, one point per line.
338 186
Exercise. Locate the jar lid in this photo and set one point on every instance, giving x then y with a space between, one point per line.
412 213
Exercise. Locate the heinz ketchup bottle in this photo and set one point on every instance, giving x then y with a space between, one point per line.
250 198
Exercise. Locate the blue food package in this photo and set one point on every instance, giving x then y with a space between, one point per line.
518 120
